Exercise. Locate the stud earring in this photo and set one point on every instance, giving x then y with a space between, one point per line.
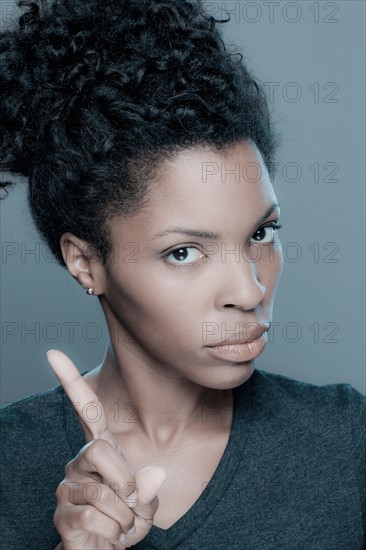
89 291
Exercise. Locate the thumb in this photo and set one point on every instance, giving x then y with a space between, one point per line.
144 501
149 481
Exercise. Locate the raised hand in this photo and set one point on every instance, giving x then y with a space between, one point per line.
93 508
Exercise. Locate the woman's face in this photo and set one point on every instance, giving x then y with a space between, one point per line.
170 294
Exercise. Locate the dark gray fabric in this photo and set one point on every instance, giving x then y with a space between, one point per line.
292 477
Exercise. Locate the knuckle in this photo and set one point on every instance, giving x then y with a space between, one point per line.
57 519
87 517
69 468
97 448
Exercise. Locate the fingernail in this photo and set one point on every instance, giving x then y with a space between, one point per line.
131 500
132 530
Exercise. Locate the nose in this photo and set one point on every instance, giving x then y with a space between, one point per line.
241 287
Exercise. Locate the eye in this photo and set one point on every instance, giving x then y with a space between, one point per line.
266 234
180 255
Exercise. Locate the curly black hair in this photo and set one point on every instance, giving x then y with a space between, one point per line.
95 95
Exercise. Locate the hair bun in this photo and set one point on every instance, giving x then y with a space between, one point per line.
18 84
45 69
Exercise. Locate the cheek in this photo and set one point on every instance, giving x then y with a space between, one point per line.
270 265
278 257
158 322
146 302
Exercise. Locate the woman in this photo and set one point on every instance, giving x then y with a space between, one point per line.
128 120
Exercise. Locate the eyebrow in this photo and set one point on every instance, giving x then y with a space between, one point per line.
209 234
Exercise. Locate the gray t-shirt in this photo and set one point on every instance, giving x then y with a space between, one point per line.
292 476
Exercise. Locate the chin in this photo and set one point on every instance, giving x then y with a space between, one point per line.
229 376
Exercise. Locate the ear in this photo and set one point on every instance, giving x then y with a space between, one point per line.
81 261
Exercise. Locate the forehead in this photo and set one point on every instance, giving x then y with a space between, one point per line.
203 186
239 162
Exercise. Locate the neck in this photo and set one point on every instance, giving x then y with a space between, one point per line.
162 407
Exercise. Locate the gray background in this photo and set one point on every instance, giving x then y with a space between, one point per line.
311 55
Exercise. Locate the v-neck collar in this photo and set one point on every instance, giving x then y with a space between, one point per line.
164 539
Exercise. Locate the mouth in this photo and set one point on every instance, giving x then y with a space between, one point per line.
240 350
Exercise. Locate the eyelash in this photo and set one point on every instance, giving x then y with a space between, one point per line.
274 226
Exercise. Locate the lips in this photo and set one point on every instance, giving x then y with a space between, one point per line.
238 339
239 353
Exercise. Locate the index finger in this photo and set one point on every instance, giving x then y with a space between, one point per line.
82 397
